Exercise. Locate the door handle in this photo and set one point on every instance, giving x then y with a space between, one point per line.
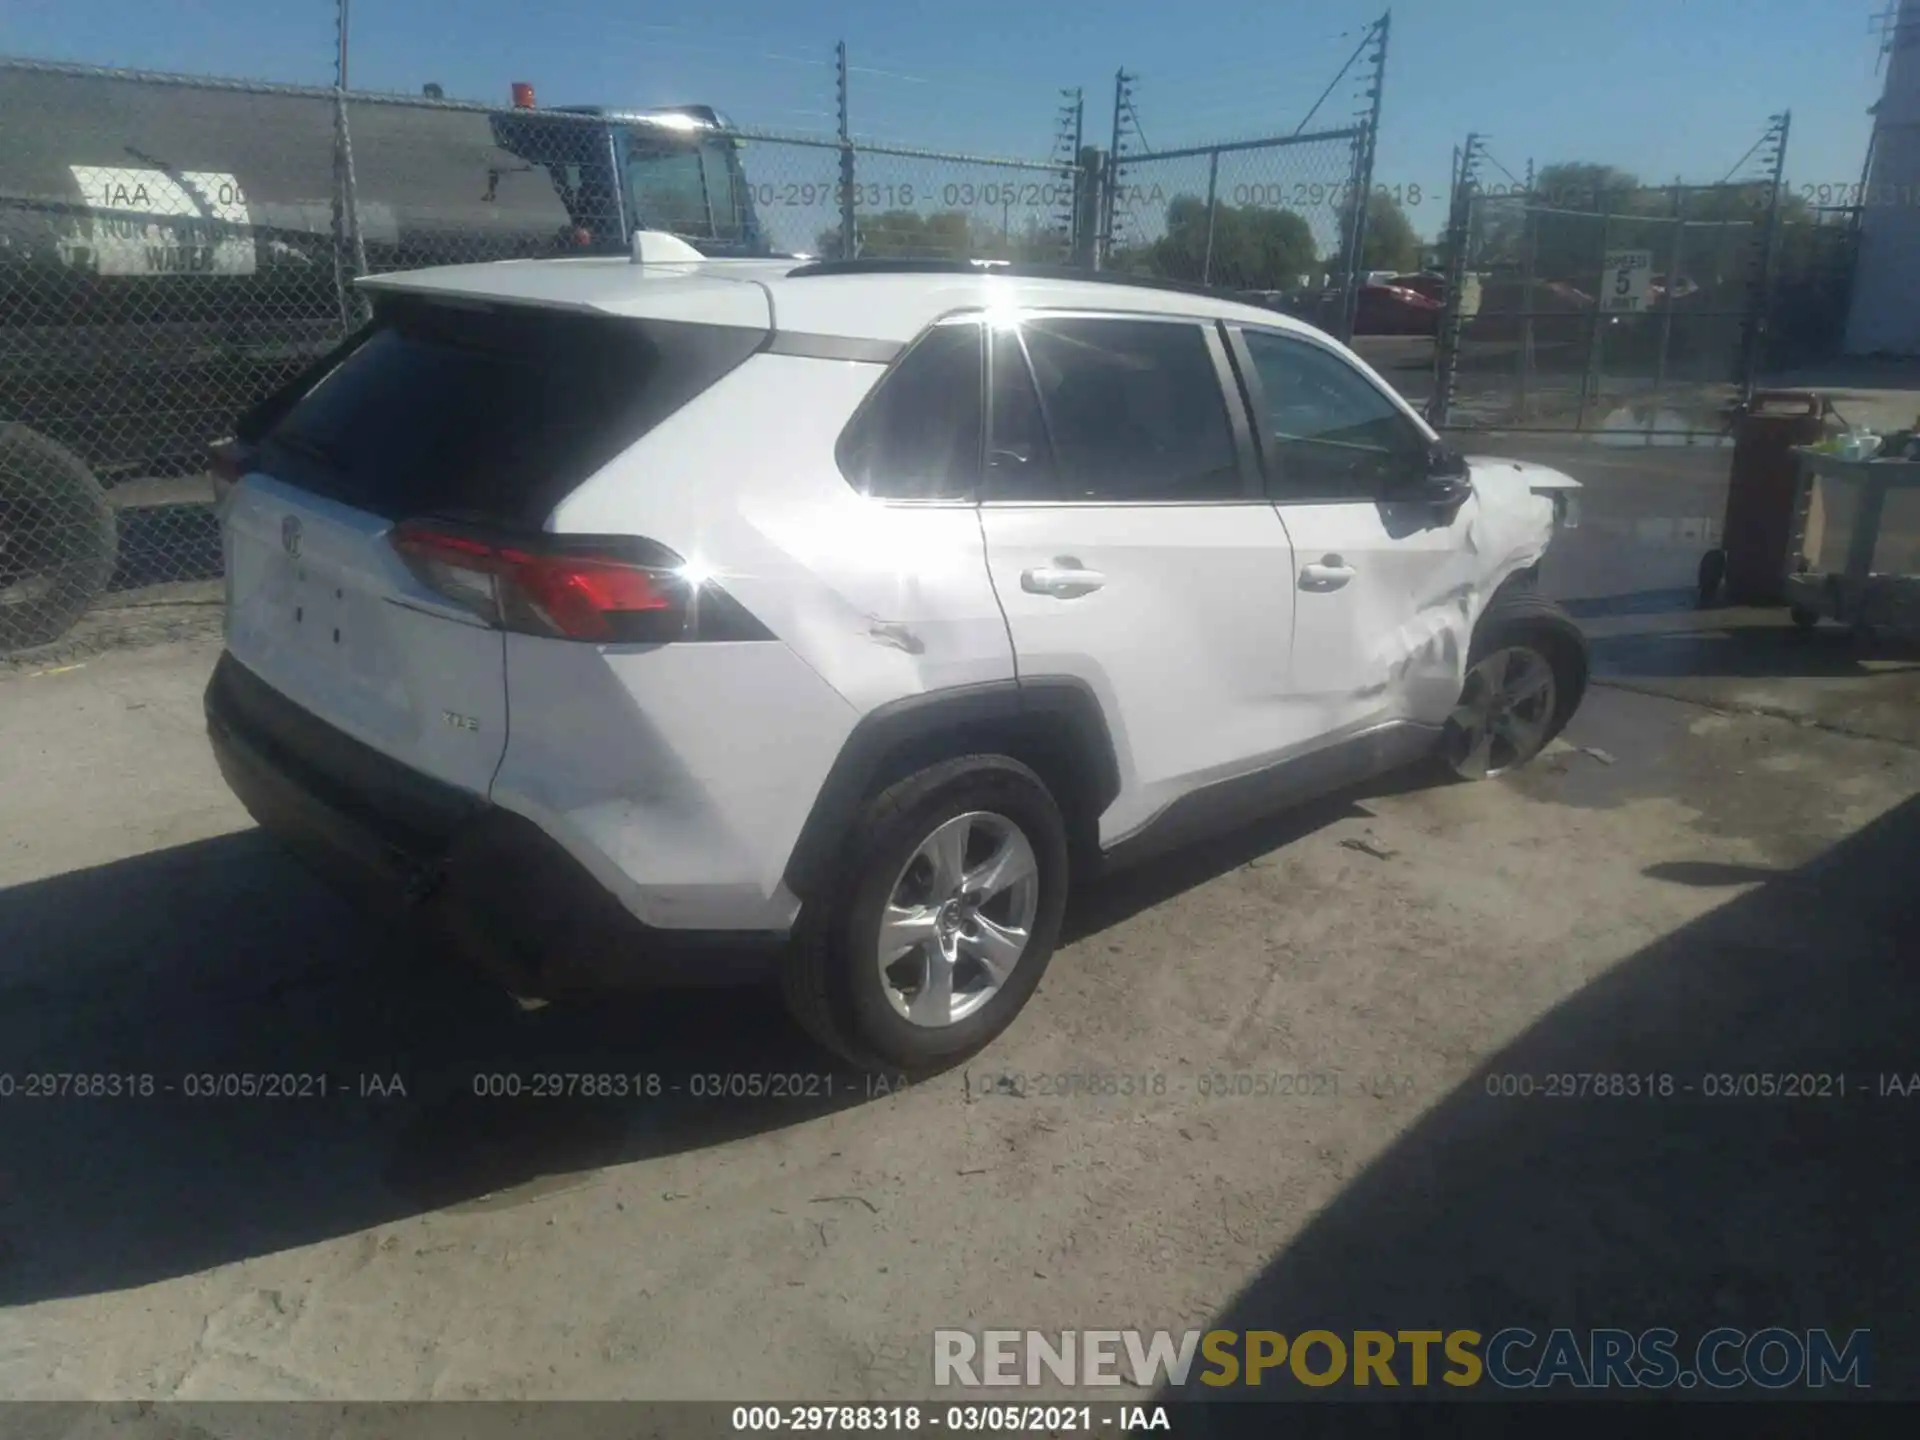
1063 582
1329 574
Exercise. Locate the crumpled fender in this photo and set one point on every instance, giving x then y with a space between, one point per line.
1516 510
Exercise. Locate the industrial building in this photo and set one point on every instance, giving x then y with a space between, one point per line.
1884 318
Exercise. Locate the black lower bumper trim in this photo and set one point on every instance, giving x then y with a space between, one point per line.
483 879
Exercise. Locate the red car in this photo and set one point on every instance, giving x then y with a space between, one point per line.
1429 283
1395 310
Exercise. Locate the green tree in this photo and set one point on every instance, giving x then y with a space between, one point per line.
1391 243
905 235
1561 216
1036 240
948 235
1253 247
1584 185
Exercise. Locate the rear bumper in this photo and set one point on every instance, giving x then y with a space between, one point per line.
484 880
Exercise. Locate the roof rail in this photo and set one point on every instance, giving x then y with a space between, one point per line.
1018 269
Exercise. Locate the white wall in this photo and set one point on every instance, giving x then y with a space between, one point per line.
1886 289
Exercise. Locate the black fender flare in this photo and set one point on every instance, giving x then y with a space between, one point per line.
1056 721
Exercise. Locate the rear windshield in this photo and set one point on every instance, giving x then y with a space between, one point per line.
489 413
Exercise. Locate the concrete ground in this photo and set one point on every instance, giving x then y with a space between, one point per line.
1711 874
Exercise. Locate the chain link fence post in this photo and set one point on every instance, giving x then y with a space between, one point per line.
1067 148
1446 355
350 251
1529 277
1590 379
1673 272
1364 148
1110 188
349 243
1752 341
1213 210
849 196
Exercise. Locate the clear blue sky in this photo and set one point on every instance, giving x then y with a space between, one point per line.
1664 88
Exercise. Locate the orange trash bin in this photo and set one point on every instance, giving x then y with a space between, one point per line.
1752 558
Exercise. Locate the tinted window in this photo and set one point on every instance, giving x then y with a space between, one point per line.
1134 409
722 187
1332 431
670 191
1019 456
918 437
491 413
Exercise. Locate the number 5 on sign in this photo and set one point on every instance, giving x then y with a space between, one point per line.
1625 281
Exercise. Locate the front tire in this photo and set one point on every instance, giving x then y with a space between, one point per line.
940 920
1526 674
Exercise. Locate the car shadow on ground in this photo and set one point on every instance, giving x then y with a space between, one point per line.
220 966
1683 639
1688 1211
1109 900
223 959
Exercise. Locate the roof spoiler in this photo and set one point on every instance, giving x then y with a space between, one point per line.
657 247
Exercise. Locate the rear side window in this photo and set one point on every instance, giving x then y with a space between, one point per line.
918 435
491 413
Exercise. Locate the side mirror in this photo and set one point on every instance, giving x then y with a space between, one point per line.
1446 481
1445 463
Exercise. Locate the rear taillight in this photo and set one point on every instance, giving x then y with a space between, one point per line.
227 465
613 590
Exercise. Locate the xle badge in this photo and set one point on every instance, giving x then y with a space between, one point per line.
460 722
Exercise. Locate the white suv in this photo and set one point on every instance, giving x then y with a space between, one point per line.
643 618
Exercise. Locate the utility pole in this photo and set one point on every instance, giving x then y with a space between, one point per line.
849 238
341 70
1066 148
1120 82
1363 179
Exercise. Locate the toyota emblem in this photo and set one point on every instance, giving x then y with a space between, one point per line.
290 535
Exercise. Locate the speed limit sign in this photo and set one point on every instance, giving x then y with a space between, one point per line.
1625 281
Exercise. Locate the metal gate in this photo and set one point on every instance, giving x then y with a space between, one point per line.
1275 217
1611 307
1282 218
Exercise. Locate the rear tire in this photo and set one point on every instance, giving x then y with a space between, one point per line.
1526 675
835 982
58 539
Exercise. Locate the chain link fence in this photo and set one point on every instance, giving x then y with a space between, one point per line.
1273 218
1587 301
173 249
1575 307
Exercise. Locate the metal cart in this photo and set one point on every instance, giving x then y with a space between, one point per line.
1854 555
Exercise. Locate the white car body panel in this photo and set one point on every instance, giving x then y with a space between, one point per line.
1389 643
679 775
706 293
882 599
1185 642
345 630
